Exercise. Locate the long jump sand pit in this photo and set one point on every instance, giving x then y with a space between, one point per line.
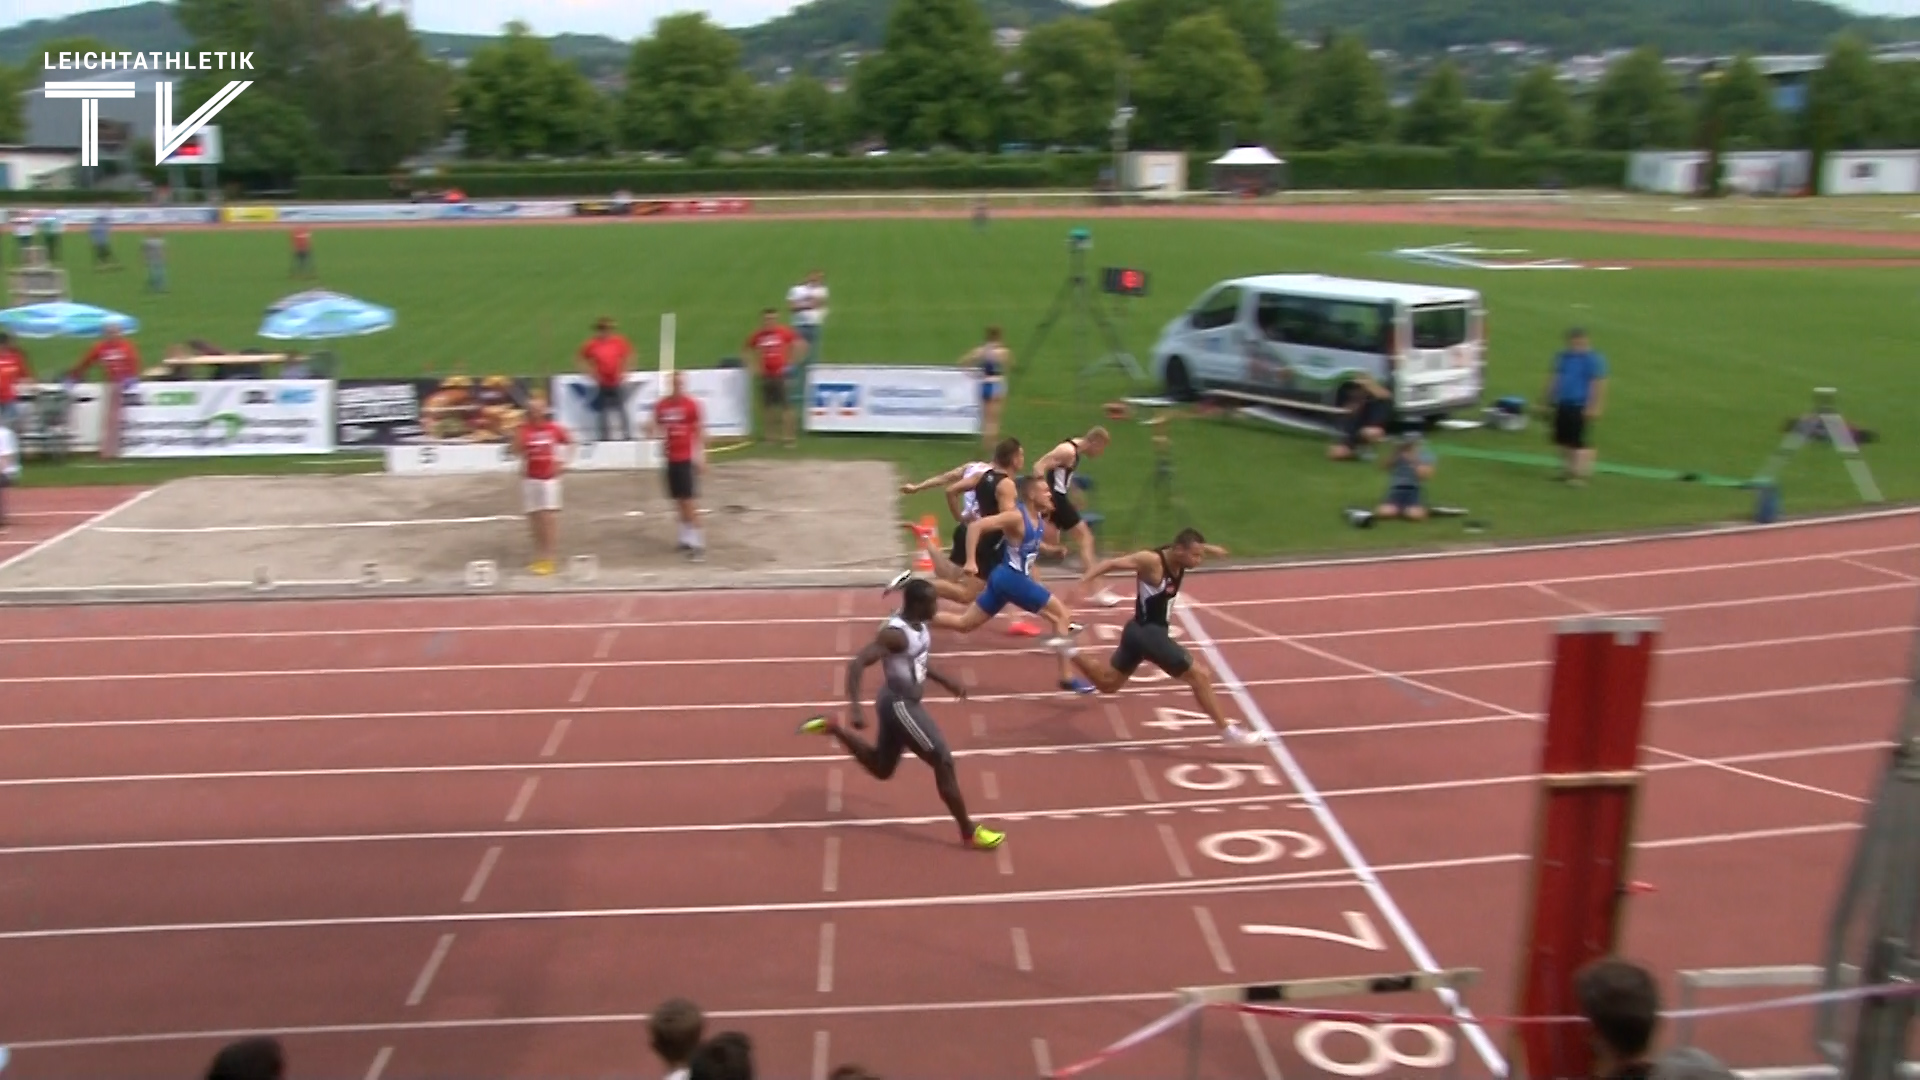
766 523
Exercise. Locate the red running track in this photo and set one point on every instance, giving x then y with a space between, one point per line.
483 836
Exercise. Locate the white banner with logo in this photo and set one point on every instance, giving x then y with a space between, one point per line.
347 213
231 418
83 216
893 400
76 411
721 392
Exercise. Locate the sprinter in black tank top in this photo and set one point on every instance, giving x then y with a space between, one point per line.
1158 577
987 489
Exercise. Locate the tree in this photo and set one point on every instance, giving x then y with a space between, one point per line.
1440 114
1537 114
685 90
1902 96
1737 106
1197 83
13 121
936 80
1069 71
806 117
1844 109
1143 25
1345 98
515 98
1637 106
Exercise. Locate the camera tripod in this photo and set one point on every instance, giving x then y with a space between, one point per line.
1154 509
1825 420
1073 294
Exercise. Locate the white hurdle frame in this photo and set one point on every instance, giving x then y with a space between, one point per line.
1790 976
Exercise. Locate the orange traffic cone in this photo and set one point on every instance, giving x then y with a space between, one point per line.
922 561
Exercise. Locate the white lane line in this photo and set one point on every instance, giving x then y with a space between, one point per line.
979 724
1211 933
1720 766
836 782
830 874
1003 856
823 981
1175 855
1022 954
521 800
1118 721
580 688
989 785
968 677
1042 1059
1554 594
1883 570
822 1054
481 874
1330 825
560 727
846 604
97 519
427 973
1147 790
605 648
379 1066
1269 1068
843 638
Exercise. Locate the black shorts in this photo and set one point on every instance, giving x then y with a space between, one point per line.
905 725
1373 413
1145 641
680 480
773 391
1570 426
1065 515
989 553
957 554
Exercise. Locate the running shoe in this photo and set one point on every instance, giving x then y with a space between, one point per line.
1239 735
1106 598
899 582
695 554
1078 686
543 567
985 839
817 725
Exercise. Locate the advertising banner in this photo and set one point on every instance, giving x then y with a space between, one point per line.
370 413
893 400
349 213
721 392
468 409
603 208
690 207
493 210
80 413
526 210
231 418
83 216
250 215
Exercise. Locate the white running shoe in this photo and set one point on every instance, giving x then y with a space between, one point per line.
1107 597
1062 645
1240 735
899 582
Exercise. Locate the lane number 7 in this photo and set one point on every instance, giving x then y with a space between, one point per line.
1364 935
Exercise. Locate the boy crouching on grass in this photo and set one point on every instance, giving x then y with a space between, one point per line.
539 445
1409 466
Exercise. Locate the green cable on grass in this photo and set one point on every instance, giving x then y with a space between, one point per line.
1545 461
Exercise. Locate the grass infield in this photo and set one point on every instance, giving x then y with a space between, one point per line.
1708 363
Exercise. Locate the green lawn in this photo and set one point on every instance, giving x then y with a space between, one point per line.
1708 364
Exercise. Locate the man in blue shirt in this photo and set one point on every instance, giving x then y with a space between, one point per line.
1576 391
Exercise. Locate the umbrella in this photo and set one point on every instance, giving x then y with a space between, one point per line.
64 319
327 317
307 297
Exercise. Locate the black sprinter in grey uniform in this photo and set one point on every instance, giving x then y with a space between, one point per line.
1148 636
901 648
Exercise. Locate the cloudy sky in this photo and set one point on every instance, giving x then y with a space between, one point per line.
620 18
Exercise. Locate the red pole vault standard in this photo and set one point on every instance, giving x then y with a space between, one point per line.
1589 788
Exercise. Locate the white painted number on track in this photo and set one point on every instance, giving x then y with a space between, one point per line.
1175 719
1381 1053
1209 776
1267 845
1364 935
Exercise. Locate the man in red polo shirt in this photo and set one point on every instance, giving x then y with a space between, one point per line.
14 374
119 363
302 253
774 343
539 444
676 418
605 357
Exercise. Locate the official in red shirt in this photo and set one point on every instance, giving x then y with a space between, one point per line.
605 357
119 363
302 253
774 343
540 445
14 374
676 418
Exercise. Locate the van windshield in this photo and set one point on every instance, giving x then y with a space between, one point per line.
1439 327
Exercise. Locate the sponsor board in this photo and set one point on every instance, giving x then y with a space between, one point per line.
377 413
230 418
893 400
250 215
603 208
349 213
690 207
583 456
721 392
528 210
471 408
495 211
82 216
84 414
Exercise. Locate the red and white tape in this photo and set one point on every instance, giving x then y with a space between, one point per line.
1180 1015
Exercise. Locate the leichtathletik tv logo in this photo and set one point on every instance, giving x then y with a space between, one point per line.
168 137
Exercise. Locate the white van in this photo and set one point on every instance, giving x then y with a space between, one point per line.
1301 340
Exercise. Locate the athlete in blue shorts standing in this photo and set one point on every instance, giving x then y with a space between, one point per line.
1011 581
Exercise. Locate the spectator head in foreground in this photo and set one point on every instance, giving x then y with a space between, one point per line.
257 1058
1690 1064
1622 1002
674 1032
726 1056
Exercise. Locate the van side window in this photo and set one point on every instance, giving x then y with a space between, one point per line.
1270 315
1348 326
1217 310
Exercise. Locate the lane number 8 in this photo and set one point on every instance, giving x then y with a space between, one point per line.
1381 1054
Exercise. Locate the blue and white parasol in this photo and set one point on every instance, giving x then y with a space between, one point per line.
64 319
331 316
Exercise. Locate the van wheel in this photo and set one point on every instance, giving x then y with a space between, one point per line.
1179 385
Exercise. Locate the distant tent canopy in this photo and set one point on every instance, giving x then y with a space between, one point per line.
1249 171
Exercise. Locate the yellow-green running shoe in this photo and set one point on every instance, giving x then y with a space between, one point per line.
986 839
816 725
